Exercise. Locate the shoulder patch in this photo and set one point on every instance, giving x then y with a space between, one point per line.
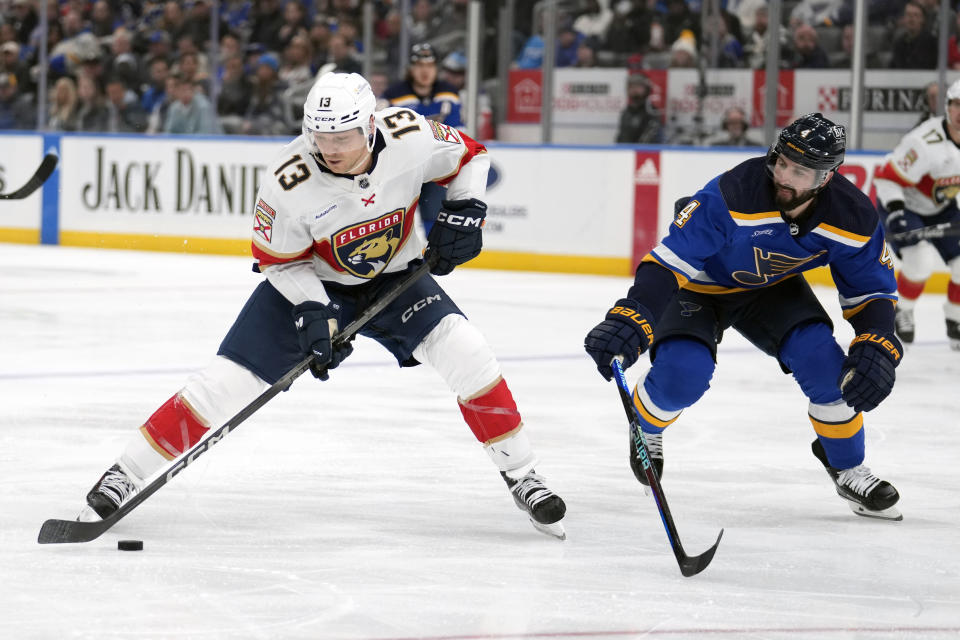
444 133
263 220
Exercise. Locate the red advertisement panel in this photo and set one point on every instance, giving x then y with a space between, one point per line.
646 202
785 101
524 96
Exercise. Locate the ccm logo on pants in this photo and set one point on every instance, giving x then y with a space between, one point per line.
419 304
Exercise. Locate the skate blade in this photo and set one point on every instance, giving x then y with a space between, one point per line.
554 529
88 515
890 513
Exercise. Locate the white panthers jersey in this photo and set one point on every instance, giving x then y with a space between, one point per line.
352 228
923 170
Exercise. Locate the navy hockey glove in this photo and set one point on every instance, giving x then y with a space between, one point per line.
456 236
626 332
868 372
316 325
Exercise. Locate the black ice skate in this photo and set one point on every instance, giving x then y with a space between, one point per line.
866 494
953 334
544 508
108 493
904 325
655 449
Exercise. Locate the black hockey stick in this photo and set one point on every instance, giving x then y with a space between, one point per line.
39 176
942 230
59 531
689 566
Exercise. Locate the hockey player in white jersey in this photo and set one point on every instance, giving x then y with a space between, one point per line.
336 223
917 188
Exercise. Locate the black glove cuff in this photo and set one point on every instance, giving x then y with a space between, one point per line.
632 312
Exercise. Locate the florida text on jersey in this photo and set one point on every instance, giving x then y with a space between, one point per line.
353 228
731 237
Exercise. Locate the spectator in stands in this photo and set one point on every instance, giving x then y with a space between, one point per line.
683 52
236 90
729 51
173 21
11 63
158 115
267 113
17 111
124 113
639 121
816 13
190 111
154 92
92 113
294 23
63 105
734 132
843 59
678 20
102 22
568 42
953 45
267 18
189 69
123 61
806 52
159 45
230 45
23 17
593 21
340 53
756 47
586 57
630 28
915 47
422 24
320 41
296 60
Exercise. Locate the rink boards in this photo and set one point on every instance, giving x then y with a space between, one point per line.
573 209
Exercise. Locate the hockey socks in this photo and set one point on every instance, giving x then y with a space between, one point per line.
171 430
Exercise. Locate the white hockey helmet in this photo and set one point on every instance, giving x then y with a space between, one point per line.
953 93
339 102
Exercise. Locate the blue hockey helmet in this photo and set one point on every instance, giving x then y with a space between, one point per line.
811 141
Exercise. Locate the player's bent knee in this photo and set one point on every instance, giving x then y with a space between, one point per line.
460 354
217 392
681 373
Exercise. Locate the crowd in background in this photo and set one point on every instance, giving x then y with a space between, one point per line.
128 66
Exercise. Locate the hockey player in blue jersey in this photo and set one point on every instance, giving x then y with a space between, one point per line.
733 258
421 91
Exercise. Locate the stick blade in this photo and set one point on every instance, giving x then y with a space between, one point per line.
66 531
691 566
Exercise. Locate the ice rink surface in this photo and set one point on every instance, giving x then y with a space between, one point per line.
364 509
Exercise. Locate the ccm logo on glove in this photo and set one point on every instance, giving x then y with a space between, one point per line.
460 221
879 341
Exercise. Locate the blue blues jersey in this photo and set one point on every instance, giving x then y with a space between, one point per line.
442 105
731 237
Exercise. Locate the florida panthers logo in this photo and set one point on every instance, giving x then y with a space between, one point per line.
365 249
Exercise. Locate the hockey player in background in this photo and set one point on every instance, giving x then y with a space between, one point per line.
423 92
733 258
917 187
336 223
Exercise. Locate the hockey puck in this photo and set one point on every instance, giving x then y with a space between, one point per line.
130 545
